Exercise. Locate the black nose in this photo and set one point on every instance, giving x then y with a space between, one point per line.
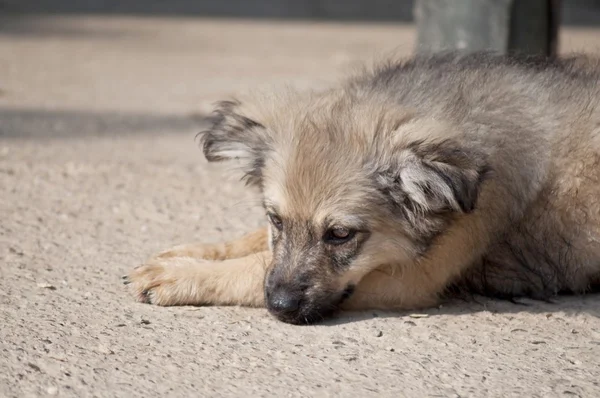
283 301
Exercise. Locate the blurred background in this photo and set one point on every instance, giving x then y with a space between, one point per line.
115 67
578 12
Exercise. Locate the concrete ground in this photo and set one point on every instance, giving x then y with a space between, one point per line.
99 169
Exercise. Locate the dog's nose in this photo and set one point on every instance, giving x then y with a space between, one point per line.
283 301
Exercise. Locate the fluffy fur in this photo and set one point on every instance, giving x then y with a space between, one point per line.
403 182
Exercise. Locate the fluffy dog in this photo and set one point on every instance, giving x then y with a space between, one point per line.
475 171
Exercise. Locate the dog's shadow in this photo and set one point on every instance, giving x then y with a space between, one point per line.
568 304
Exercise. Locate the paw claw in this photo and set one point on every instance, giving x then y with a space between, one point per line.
142 296
149 297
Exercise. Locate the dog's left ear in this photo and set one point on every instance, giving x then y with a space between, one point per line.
233 135
435 178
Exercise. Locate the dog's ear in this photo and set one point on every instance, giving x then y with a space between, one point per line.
427 178
233 135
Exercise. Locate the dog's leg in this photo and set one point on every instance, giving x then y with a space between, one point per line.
253 242
421 284
391 288
191 281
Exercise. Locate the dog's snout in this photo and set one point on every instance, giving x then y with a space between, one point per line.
284 301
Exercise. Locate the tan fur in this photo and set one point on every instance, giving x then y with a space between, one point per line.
484 175
251 243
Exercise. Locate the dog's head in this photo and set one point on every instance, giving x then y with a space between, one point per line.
348 186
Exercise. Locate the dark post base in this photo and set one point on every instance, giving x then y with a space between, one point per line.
525 26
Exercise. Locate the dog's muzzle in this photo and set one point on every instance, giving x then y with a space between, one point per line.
303 306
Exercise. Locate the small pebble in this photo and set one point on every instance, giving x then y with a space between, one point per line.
104 350
52 390
378 333
46 286
145 322
34 367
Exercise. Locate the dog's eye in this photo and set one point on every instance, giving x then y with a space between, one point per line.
276 221
338 235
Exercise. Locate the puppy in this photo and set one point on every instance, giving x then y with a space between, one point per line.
401 183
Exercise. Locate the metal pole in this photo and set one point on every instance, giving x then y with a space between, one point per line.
526 26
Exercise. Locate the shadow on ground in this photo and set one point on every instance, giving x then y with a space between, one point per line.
348 10
28 123
571 305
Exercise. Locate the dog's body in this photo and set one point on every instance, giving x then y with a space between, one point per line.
476 171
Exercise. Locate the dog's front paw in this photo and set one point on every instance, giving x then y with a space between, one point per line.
166 281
